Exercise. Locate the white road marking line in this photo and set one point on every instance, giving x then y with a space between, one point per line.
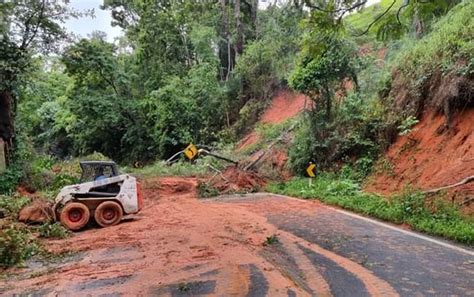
413 234
378 223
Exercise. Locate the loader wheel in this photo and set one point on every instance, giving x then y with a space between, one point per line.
74 216
108 213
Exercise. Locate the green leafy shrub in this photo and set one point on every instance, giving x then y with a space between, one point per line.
450 41
206 191
62 180
10 179
16 245
248 116
200 167
407 124
351 136
53 230
12 204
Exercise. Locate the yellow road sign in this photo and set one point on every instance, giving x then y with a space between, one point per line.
191 151
310 170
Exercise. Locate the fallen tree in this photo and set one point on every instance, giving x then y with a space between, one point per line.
462 182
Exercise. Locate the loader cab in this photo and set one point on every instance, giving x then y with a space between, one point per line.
96 170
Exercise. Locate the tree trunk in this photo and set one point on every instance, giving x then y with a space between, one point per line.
327 96
253 18
227 37
6 122
418 26
239 46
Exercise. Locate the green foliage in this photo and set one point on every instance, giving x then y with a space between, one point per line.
199 167
271 240
10 179
268 133
321 69
16 245
409 207
28 27
11 205
268 60
407 125
403 17
53 230
353 135
248 116
206 191
449 42
360 21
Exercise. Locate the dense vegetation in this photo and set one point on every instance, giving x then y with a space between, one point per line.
202 72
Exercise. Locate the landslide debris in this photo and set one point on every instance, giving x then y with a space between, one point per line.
236 180
39 211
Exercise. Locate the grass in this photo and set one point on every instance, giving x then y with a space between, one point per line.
409 208
271 240
449 42
361 20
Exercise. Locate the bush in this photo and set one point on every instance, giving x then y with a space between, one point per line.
248 116
16 245
352 136
12 204
54 230
10 179
206 191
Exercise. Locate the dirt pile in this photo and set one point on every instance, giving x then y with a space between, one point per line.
234 179
39 211
431 156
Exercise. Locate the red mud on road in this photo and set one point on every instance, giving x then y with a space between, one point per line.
176 240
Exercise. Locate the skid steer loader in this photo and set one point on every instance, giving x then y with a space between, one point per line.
103 194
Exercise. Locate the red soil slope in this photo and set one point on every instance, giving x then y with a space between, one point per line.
431 156
285 105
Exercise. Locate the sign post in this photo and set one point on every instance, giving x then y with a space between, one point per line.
191 151
310 172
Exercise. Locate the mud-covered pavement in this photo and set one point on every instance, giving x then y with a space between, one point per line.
183 246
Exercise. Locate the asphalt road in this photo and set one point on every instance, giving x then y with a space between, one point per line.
412 264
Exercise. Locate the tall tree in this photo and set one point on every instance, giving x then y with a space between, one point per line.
27 27
239 45
225 48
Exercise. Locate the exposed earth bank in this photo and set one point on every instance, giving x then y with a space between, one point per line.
431 156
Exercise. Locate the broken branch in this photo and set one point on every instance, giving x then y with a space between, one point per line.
464 181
